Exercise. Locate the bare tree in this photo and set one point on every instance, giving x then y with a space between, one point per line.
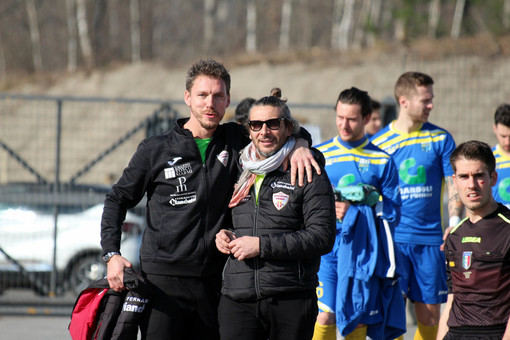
83 34
401 9
375 21
72 46
100 37
434 13
305 23
337 20
3 67
506 14
208 23
457 19
363 23
346 25
34 35
285 25
251 26
114 27
136 49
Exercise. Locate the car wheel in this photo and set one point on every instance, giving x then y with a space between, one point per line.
85 271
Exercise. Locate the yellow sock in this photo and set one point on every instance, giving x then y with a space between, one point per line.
324 332
425 332
357 334
400 338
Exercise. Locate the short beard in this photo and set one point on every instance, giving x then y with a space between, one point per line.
268 154
209 126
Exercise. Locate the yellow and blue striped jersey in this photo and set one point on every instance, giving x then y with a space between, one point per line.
423 160
501 191
351 163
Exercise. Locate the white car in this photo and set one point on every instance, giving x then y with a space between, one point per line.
27 246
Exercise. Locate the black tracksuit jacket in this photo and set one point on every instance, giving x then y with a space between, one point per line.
186 200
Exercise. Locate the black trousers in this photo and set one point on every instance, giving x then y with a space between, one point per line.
282 317
182 308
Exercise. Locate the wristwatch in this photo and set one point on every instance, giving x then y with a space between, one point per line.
109 255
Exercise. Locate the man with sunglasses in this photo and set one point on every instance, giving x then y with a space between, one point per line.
358 290
188 174
279 232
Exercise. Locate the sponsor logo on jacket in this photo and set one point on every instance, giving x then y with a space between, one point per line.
178 171
282 185
134 304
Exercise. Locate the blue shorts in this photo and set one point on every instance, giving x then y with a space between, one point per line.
328 277
426 273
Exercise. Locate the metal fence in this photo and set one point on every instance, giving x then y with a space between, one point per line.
58 158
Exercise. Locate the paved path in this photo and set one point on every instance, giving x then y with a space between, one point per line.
55 328
25 316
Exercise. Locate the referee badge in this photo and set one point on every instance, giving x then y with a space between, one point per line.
466 259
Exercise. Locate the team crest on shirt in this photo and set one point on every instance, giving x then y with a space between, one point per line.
466 259
223 157
426 146
280 200
363 165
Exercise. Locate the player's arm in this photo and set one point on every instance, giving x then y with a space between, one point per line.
389 186
443 327
301 162
454 206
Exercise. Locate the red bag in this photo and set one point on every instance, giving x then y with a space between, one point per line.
85 313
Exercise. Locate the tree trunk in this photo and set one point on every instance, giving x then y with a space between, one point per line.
346 25
285 25
72 46
113 29
3 67
305 37
136 50
337 19
457 19
98 45
363 23
251 26
83 34
434 14
208 24
374 21
34 35
506 14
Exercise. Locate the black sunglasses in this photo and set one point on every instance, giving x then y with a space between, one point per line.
272 124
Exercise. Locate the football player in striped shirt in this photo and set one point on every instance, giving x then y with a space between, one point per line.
421 151
501 191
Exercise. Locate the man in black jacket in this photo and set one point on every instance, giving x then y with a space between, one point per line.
279 233
188 174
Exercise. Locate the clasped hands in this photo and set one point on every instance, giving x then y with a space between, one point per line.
241 248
